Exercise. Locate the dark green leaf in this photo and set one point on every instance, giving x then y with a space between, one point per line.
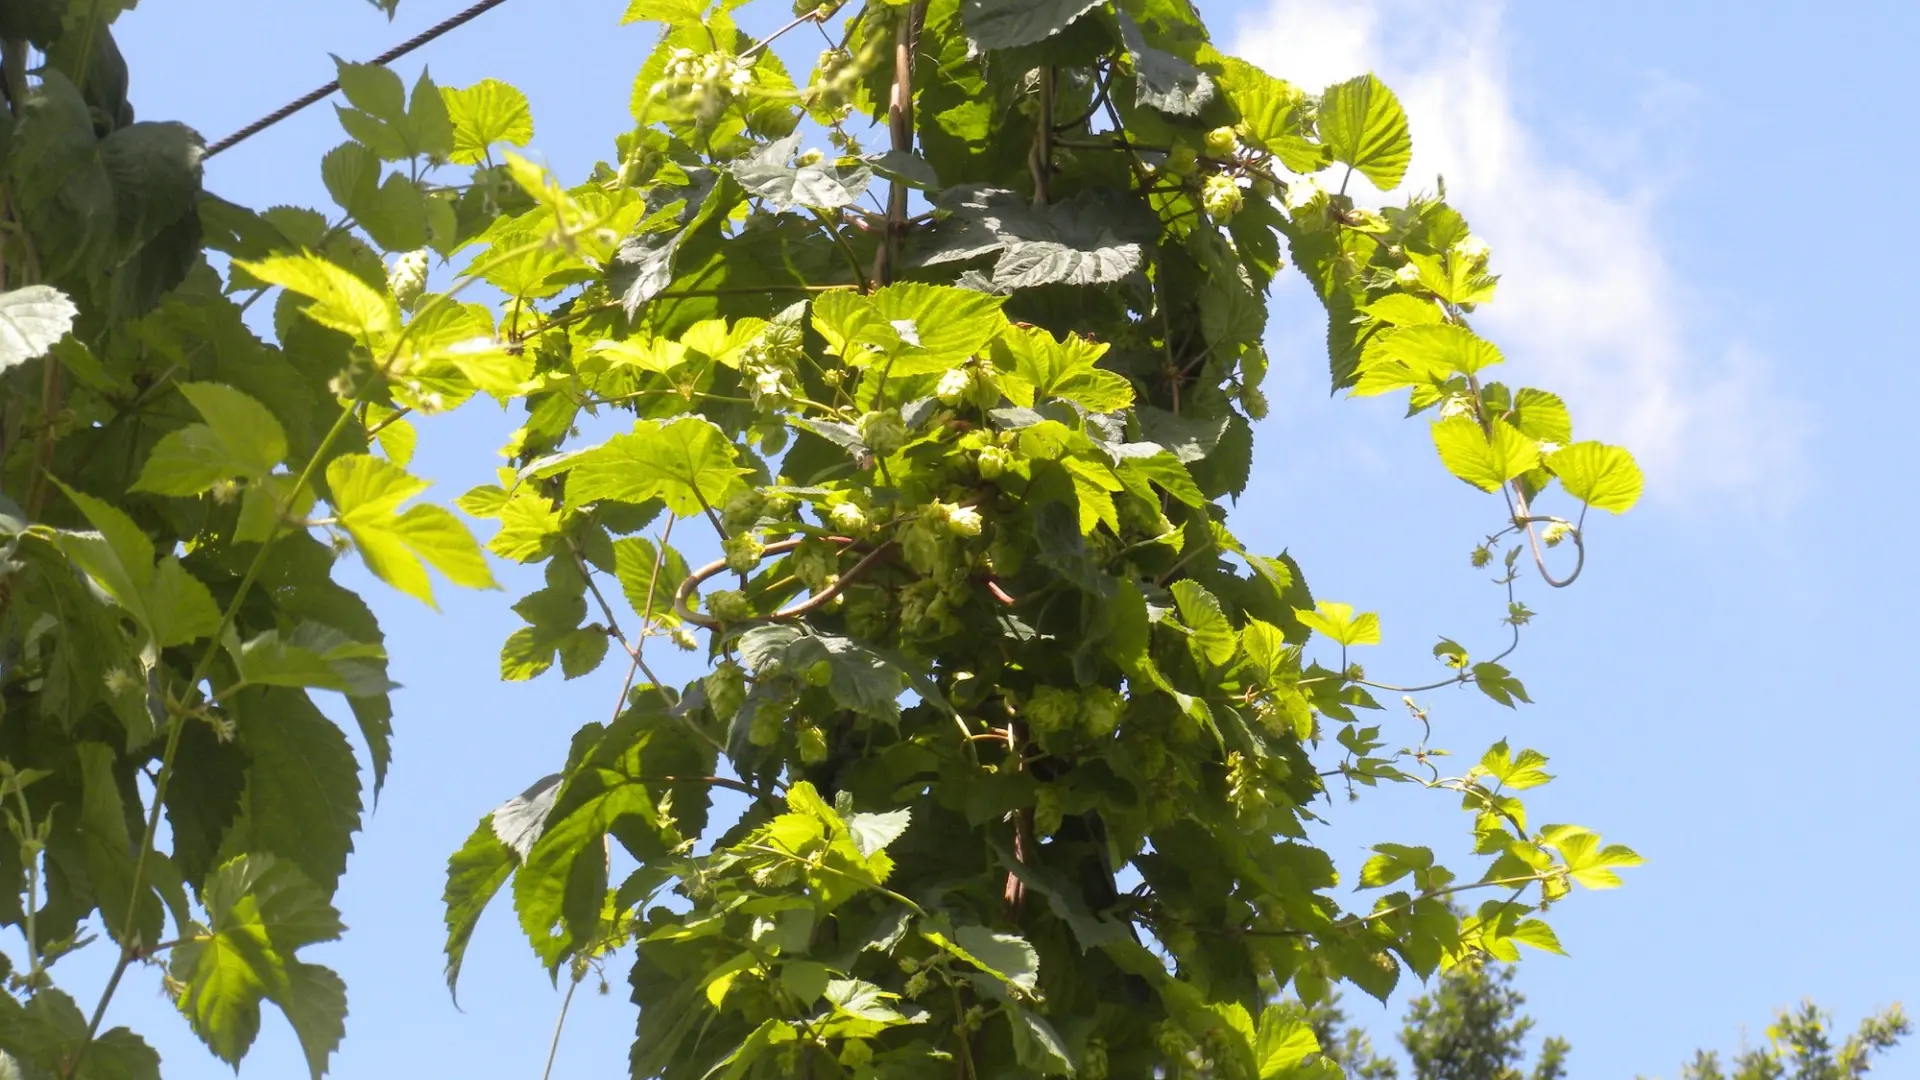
1007 24
1161 79
771 174
303 785
474 874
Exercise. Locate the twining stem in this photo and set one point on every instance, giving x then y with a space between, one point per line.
1435 894
31 856
960 1033
1357 920
683 596
182 714
13 67
840 241
900 132
810 17
606 609
183 710
1041 164
1517 504
553 1048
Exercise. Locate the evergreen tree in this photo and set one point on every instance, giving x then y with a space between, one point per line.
1800 1047
1471 1027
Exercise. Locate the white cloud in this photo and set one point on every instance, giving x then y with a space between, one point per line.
1590 304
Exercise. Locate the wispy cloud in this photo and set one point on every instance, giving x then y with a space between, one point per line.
1590 303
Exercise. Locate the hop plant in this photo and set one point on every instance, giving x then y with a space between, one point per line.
1100 711
1254 400
883 431
1473 250
730 605
849 519
959 520
1221 197
764 728
743 551
1049 810
743 511
1051 710
955 385
407 278
726 687
812 744
855 1054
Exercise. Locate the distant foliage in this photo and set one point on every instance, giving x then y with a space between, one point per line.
1027 737
1800 1046
1470 1027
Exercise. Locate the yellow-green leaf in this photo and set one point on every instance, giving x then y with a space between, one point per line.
1034 365
1338 622
398 546
1363 125
1213 635
688 464
339 299
1486 463
1598 475
485 113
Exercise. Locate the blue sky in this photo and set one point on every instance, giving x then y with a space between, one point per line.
1695 207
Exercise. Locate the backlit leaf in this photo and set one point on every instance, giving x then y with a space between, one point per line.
1484 461
1338 622
1362 125
398 546
687 463
1213 634
1598 475
485 113
31 320
340 300
474 874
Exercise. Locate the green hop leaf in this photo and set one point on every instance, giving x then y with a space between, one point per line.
398 546
1598 475
1363 125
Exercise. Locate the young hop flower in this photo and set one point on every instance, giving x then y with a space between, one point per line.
1473 250
1221 196
407 277
964 521
955 384
849 519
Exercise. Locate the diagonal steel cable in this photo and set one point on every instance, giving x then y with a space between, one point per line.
384 58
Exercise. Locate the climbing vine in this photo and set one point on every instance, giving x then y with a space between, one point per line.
1004 757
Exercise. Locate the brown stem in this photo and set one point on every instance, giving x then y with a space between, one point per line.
1041 163
13 67
900 131
812 603
1023 840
